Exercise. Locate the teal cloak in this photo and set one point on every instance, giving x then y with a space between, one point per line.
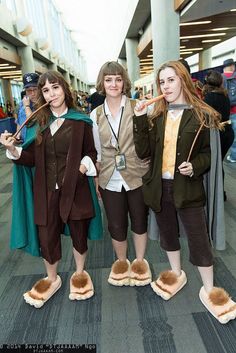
24 233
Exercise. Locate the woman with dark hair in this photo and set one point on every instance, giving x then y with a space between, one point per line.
63 155
216 96
120 175
174 184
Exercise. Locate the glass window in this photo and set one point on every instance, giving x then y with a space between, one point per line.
10 4
35 14
55 27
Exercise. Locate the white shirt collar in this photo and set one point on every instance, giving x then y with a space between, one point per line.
175 116
122 104
61 115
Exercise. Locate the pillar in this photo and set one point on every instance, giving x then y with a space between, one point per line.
27 60
165 32
132 59
205 59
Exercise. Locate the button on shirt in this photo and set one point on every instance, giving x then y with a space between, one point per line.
116 182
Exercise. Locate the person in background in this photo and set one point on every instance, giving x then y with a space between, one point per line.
174 184
138 93
216 96
26 107
120 175
95 100
63 155
229 83
9 109
2 114
197 84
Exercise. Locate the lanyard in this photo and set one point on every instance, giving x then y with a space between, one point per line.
112 130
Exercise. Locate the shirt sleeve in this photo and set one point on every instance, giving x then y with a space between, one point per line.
11 156
91 170
96 138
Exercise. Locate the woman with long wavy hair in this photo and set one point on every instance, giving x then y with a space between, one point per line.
180 123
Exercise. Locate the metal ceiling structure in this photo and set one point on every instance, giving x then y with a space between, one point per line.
218 24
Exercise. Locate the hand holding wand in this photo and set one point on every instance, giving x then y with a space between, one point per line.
153 100
29 118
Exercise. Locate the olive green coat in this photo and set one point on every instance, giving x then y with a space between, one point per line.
149 142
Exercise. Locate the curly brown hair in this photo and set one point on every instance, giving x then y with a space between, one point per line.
204 112
113 68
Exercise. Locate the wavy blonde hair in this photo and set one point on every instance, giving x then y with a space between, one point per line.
204 113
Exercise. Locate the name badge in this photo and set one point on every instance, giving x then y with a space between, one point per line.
120 161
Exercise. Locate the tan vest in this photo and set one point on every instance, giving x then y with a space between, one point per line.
134 169
170 143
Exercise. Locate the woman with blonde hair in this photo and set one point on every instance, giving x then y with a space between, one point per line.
120 175
177 139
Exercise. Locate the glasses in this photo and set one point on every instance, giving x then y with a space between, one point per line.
31 90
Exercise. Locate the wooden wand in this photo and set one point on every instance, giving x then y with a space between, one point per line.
194 141
29 118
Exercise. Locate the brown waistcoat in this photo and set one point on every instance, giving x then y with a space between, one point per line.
56 150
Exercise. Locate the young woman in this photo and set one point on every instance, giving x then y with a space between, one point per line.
120 175
216 96
63 155
174 184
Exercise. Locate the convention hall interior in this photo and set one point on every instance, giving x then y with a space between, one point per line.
36 36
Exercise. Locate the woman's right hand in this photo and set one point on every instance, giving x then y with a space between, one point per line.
140 108
7 140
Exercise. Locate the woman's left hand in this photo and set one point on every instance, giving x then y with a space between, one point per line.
82 169
186 168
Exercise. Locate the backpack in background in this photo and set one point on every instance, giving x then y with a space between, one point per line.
230 84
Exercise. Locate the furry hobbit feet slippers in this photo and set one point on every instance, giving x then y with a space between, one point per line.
42 291
140 274
168 284
81 286
120 273
219 304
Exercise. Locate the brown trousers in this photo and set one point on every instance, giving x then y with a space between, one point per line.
50 235
194 222
118 205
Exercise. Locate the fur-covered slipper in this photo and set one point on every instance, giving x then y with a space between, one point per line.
120 273
219 304
140 274
42 291
81 286
168 284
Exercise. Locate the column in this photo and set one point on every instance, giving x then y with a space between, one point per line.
53 66
67 76
132 59
205 59
27 60
165 32
123 63
74 83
